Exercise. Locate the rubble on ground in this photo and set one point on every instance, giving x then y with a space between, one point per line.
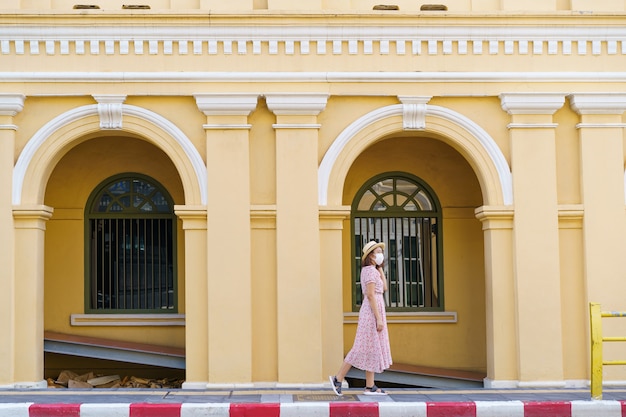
69 379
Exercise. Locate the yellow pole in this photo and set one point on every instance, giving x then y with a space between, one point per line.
596 350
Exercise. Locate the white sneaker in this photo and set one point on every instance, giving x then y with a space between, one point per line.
374 391
335 385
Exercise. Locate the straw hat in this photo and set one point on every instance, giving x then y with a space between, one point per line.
369 247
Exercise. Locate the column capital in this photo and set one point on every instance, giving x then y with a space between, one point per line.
531 103
495 217
226 104
32 217
598 103
296 104
193 217
11 104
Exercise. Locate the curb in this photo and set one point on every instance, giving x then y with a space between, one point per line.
324 409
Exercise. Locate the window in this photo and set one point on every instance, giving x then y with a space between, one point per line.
130 246
404 213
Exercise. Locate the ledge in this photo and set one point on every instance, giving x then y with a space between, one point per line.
127 319
409 318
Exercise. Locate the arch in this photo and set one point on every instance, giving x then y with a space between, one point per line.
40 155
469 139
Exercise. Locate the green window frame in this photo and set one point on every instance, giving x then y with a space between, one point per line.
130 247
402 211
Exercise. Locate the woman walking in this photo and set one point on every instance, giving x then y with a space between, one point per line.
370 352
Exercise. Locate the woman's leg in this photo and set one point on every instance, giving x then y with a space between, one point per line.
343 371
369 379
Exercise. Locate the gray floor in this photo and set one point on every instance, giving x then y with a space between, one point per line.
274 395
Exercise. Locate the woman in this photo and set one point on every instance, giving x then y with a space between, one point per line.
370 351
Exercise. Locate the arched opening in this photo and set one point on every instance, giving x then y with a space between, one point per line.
75 303
447 339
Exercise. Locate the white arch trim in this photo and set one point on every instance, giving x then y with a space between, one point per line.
31 148
486 141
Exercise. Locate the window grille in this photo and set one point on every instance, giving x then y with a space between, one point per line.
403 212
131 248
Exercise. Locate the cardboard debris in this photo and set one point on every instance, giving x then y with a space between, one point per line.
69 379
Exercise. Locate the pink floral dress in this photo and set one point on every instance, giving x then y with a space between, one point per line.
371 351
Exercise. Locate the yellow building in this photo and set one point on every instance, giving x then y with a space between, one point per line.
202 174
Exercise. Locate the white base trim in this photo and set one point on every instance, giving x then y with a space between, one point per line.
26 385
541 384
195 385
568 383
498 384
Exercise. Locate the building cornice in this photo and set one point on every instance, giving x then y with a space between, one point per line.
552 77
330 38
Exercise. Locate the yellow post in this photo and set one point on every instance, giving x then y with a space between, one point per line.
595 314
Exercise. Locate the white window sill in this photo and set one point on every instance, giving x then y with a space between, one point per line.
410 318
127 319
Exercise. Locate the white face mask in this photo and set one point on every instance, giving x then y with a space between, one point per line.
379 258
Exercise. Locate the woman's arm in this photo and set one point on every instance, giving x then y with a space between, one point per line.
370 293
383 277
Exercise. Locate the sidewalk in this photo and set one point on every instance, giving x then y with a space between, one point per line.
310 402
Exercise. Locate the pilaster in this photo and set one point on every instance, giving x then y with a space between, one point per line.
502 338
601 131
30 226
194 219
332 220
228 240
10 105
297 236
536 236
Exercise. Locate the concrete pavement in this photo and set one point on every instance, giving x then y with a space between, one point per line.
310 402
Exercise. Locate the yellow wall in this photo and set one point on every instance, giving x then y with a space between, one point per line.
531 184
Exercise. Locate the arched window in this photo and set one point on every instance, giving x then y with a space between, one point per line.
403 212
130 253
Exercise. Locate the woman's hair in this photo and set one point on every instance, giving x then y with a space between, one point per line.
369 260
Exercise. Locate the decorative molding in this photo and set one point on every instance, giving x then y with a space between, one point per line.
532 103
483 139
414 112
228 104
598 103
296 104
532 125
8 127
378 39
11 104
238 77
296 126
38 140
110 111
600 125
226 126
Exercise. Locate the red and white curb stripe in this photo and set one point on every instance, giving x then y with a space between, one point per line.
325 409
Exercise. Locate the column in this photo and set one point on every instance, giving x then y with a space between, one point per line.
194 219
10 105
228 225
502 360
332 221
601 131
30 226
297 236
536 236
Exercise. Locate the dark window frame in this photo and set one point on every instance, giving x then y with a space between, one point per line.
385 215
140 276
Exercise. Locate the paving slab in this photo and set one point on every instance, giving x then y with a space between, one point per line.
307 402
